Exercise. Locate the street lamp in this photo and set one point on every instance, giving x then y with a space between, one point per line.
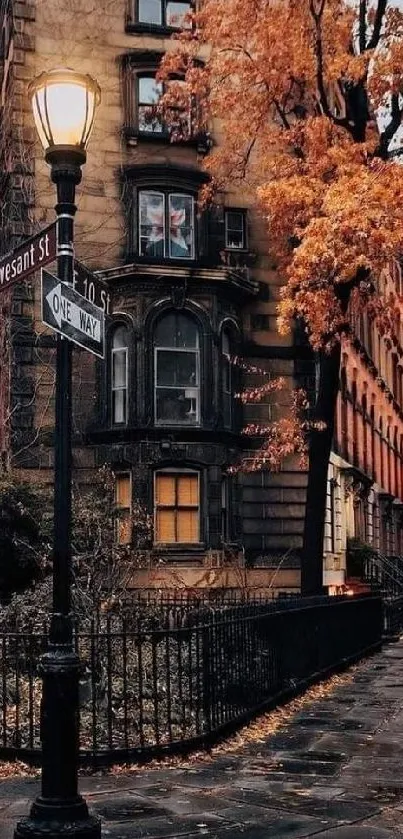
64 104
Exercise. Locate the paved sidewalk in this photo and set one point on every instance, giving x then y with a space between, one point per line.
335 771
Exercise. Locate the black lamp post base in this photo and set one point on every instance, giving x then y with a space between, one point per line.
55 821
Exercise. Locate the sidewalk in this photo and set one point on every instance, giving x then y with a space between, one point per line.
334 771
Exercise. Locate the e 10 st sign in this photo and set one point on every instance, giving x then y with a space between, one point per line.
36 252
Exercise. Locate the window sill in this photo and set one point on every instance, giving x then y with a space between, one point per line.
161 31
174 547
201 142
160 260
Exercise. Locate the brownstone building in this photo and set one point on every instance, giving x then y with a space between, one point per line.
184 292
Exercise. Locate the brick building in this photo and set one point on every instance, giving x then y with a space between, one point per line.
185 290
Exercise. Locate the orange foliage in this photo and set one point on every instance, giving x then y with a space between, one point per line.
295 85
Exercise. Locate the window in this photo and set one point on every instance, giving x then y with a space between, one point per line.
123 501
149 122
177 371
226 379
119 375
163 13
166 225
177 509
235 230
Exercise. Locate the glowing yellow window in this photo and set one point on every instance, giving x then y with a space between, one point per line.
177 510
123 501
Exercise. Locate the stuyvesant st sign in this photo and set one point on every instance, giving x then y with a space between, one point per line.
68 312
36 252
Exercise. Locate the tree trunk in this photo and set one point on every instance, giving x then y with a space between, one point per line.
319 453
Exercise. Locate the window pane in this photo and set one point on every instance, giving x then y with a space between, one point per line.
152 224
175 14
165 489
150 92
181 228
123 491
188 525
176 331
119 338
119 368
176 368
150 11
234 230
165 526
177 405
124 529
119 406
188 491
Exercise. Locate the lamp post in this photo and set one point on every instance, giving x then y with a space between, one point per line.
64 104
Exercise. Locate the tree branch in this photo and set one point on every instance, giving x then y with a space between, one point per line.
390 130
362 26
376 32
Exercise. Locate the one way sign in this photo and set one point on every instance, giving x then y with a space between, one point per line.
68 312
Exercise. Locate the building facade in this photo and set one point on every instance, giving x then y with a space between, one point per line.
186 290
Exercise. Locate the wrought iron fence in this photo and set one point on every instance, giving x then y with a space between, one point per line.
147 688
392 617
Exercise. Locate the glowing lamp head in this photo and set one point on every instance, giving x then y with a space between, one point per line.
63 104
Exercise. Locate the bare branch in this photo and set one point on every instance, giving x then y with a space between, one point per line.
390 130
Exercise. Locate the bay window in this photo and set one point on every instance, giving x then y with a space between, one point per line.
176 371
226 379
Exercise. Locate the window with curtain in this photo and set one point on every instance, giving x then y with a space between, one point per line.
166 225
123 501
119 375
177 507
177 370
226 379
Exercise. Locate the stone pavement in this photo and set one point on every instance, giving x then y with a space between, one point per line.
334 771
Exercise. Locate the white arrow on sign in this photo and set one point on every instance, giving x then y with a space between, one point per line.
65 310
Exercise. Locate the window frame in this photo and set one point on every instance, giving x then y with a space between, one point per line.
167 193
197 387
242 212
113 389
134 24
176 473
166 134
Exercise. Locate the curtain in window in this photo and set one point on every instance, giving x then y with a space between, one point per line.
177 507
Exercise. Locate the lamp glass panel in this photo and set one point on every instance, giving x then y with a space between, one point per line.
67 112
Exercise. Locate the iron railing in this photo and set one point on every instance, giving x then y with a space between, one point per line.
148 688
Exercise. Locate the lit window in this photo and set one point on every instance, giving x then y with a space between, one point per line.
177 374
177 509
166 225
226 379
123 501
119 375
163 13
235 238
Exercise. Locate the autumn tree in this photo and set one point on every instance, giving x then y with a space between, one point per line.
308 95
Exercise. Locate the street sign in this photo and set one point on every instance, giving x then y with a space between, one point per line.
91 287
68 312
36 252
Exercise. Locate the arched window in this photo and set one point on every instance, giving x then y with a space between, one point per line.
119 375
365 432
176 370
226 379
344 417
373 447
